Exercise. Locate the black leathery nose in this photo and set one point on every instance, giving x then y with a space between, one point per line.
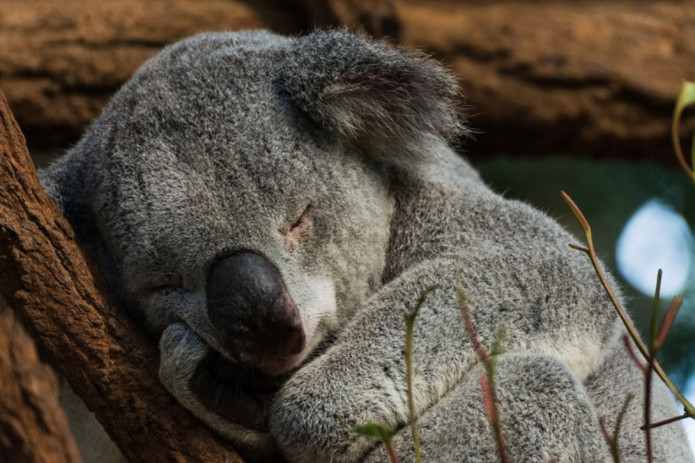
250 308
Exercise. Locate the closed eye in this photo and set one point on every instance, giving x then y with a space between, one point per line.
163 285
299 229
164 290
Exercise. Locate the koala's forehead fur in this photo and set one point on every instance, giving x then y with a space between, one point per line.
187 156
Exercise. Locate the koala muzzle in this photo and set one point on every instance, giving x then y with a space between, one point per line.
253 313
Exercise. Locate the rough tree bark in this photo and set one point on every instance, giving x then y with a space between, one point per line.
60 62
582 76
33 427
75 320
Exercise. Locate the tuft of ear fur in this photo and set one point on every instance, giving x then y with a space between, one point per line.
64 181
389 102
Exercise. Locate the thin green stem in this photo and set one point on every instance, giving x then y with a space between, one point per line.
488 379
409 379
621 414
590 251
613 440
409 335
668 421
668 320
650 366
382 434
494 418
391 451
675 124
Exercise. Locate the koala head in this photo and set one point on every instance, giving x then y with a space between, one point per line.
239 184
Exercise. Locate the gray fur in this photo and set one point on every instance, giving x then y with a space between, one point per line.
221 141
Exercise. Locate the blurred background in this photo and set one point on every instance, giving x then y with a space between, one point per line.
563 95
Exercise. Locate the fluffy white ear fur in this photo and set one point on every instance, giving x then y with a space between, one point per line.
388 102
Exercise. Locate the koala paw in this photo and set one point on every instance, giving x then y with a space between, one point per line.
312 421
214 390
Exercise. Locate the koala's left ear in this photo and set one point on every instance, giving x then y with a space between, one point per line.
387 101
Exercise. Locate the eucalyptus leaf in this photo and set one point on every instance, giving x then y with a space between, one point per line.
497 343
686 97
376 431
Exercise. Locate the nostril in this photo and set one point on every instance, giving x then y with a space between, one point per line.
295 341
252 311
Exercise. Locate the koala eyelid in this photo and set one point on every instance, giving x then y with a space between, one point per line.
166 284
165 290
302 218
299 229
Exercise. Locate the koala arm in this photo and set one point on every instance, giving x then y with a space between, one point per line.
532 391
361 378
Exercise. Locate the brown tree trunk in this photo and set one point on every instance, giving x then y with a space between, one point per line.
33 427
582 76
75 320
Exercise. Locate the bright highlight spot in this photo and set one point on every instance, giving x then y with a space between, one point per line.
655 237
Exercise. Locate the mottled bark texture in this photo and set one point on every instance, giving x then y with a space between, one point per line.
586 77
69 311
33 428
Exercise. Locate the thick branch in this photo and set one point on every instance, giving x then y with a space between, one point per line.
33 427
105 358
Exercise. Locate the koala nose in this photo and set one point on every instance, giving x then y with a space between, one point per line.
251 309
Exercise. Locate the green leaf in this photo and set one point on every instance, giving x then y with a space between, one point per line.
376 431
686 97
496 348
577 214
411 316
667 322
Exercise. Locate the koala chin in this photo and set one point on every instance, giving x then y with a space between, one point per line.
269 208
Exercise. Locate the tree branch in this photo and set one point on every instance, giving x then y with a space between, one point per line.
67 307
33 427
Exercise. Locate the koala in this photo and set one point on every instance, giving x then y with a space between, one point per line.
269 208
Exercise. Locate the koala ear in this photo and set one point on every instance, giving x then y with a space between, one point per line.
63 182
56 183
388 102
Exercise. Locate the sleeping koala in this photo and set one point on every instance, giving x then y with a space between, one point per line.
270 207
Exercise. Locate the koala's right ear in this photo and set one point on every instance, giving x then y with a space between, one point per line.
388 102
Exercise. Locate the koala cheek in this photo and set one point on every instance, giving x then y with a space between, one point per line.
316 296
